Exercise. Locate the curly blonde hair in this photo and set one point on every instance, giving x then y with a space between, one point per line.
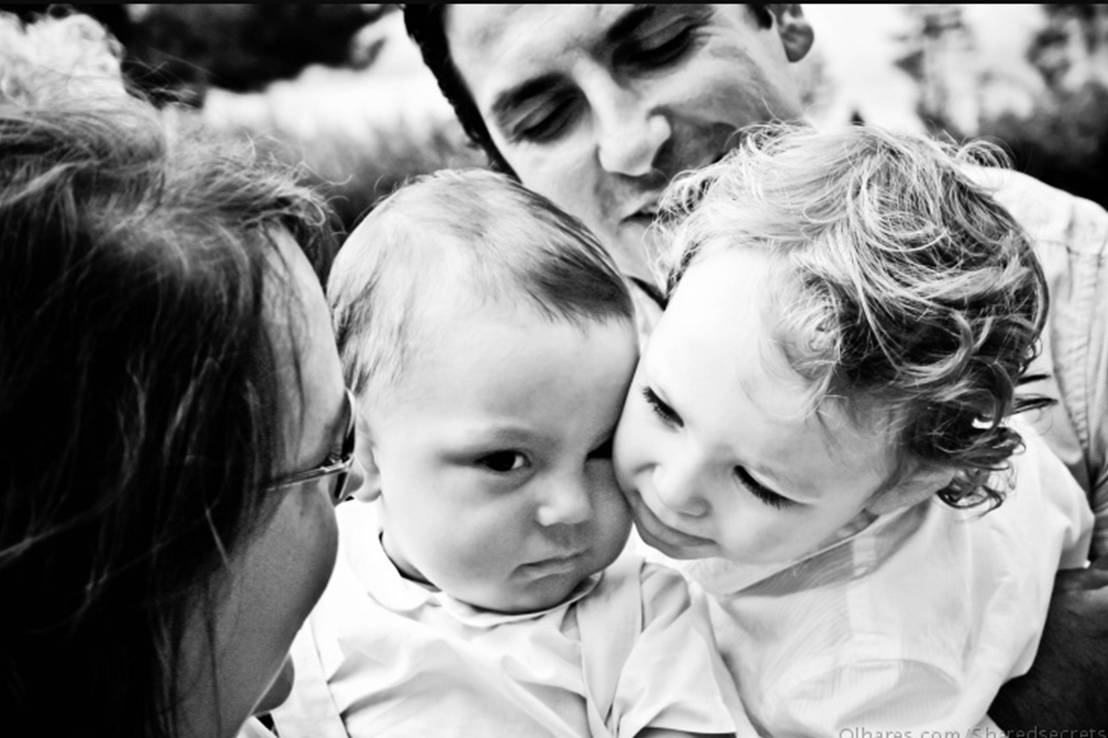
904 287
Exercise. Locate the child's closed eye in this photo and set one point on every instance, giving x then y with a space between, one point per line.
503 462
661 408
759 490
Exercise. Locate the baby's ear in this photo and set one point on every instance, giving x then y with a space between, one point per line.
370 476
915 488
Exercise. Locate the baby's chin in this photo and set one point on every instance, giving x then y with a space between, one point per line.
533 599
537 593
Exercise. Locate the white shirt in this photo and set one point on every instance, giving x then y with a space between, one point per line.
911 623
391 657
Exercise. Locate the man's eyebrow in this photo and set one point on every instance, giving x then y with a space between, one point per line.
508 100
630 21
639 15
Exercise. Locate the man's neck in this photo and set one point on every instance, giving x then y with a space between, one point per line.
633 262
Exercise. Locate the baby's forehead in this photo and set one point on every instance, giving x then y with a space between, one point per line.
504 360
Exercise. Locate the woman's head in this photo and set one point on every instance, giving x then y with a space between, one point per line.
164 354
850 317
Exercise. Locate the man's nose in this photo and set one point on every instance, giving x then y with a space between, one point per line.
629 133
565 501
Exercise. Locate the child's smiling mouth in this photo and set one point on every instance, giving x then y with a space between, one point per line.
671 541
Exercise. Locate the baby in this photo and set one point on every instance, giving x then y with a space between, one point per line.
489 341
822 418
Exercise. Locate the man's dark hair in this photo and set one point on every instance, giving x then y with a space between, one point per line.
427 28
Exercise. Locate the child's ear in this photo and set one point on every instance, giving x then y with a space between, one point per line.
916 488
370 487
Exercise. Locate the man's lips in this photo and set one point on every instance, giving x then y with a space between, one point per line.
642 217
648 208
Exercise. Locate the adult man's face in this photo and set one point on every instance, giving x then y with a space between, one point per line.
599 106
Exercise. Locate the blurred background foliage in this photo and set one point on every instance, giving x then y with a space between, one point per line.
1055 124
340 90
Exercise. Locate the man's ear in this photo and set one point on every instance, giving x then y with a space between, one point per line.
915 488
793 28
370 487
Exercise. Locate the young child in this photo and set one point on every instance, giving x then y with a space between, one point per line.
822 418
489 341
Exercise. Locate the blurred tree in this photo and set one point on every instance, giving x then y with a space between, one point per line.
244 47
1064 142
936 48
179 51
339 90
1063 138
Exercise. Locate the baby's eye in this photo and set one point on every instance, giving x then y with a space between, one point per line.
603 451
503 461
759 490
661 409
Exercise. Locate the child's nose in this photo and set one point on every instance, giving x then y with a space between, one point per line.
677 487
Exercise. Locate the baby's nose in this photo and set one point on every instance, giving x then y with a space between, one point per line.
565 504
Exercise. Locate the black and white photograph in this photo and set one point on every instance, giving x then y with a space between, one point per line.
554 371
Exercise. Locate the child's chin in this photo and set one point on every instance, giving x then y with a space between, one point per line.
674 550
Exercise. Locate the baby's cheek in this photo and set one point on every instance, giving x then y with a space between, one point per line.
617 523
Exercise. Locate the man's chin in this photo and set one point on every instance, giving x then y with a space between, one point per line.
634 246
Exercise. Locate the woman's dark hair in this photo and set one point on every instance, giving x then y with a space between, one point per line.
138 399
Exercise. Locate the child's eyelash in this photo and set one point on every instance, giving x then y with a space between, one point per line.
766 495
661 409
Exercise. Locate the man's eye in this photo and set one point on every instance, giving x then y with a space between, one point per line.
603 451
763 493
661 409
545 123
503 461
661 49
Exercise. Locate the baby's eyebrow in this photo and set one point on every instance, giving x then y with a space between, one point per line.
485 435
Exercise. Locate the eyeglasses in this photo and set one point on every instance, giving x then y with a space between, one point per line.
336 465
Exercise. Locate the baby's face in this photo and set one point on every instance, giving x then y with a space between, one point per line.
715 449
495 458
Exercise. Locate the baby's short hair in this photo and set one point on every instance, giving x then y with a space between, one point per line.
903 287
475 230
